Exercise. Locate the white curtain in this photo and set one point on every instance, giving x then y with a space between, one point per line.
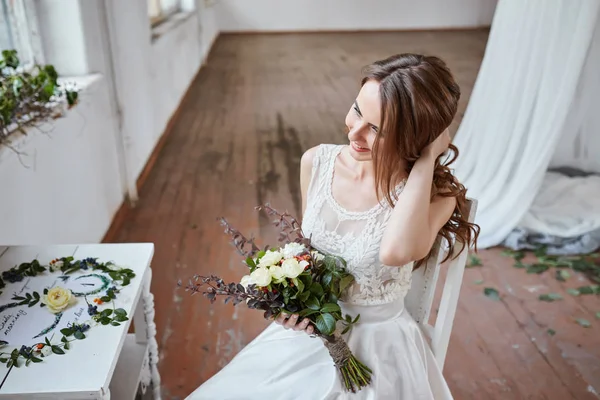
520 105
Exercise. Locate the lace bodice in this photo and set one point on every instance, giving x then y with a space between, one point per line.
354 236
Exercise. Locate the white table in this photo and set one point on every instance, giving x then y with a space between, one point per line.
109 362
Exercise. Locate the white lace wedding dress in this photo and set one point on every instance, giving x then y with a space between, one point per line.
285 364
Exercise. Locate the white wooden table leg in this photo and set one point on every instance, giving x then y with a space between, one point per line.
105 394
145 332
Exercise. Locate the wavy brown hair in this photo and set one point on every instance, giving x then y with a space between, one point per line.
419 99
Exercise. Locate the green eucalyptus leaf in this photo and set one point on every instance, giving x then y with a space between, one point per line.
491 293
307 312
586 290
537 268
66 331
345 282
326 280
583 322
317 289
313 303
326 323
330 307
550 297
304 296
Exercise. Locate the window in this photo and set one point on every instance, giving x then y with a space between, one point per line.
19 30
160 10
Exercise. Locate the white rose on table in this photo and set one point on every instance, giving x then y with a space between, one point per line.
270 258
57 299
277 273
292 268
261 277
293 249
46 350
246 281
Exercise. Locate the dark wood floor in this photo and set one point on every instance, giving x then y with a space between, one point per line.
237 141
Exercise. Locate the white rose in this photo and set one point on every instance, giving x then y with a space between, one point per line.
246 280
277 273
293 249
46 350
270 258
57 299
292 268
317 256
261 277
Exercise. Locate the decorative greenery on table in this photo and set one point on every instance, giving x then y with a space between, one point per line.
64 266
29 96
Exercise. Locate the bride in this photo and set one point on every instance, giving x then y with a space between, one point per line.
379 202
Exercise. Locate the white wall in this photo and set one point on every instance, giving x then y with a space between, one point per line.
74 180
67 187
317 15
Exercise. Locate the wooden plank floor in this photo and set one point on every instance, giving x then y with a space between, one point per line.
257 104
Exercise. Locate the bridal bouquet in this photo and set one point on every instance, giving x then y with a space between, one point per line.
294 278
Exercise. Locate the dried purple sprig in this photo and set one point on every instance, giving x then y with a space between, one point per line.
291 230
270 302
239 240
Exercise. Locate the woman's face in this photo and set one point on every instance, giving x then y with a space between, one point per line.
363 121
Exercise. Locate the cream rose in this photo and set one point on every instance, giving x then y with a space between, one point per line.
277 274
261 277
270 258
292 268
292 249
317 256
246 280
57 299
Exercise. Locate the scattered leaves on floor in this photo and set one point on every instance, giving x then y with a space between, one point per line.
478 281
491 293
588 265
474 261
562 275
583 322
551 332
536 268
550 297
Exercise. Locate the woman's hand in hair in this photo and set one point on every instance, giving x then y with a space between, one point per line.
438 146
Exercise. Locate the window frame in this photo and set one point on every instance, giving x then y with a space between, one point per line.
24 28
163 14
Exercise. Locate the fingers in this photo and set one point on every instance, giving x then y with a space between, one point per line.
291 322
281 318
310 330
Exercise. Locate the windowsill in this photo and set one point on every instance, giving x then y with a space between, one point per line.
170 23
17 141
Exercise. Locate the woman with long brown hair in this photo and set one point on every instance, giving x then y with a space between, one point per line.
379 202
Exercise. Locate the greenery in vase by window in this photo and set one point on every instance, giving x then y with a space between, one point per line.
29 97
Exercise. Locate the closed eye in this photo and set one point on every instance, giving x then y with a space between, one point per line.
357 111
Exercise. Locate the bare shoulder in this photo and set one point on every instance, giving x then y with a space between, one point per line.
308 158
306 165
